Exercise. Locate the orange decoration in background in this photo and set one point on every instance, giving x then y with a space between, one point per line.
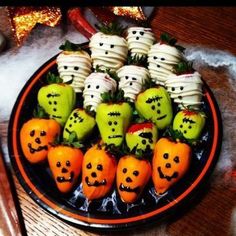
24 19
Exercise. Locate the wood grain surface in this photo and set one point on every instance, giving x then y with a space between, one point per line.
214 212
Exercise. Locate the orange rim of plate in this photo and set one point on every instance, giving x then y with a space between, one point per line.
90 220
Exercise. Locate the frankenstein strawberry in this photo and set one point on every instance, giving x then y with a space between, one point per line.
155 104
142 136
58 100
113 119
190 123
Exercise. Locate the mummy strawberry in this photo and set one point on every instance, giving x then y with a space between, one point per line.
132 79
108 51
113 119
155 104
57 99
185 86
140 40
162 57
141 136
190 123
79 122
96 84
74 65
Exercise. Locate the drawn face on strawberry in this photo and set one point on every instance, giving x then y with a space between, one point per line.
142 136
113 121
98 170
65 163
58 100
189 123
36 136
132 176
80 122
155 104
170 162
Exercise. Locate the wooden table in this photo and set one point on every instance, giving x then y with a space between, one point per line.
213 27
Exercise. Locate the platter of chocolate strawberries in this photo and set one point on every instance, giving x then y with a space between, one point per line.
116 132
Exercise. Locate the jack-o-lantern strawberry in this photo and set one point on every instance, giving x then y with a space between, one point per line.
170 162
36 136
132 176
98 172
65 163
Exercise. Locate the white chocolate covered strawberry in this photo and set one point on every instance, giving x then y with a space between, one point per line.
74 67
162 58
96 84
185 87
140 40
108 51
132 79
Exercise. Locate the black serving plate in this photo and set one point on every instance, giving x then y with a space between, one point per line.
109 212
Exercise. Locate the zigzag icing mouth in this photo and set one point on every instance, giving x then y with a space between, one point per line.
115 136
96 183
128 189
62 179
168 178
40 148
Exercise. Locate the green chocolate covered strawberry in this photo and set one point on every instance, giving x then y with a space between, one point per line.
155 104
190 123
142 136
58 101
113 119
80 122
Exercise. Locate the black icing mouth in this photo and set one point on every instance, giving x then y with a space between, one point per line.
161 117
71 80
40 148
96 183
59 117
128 189
62 179
168 178
68 131
115 136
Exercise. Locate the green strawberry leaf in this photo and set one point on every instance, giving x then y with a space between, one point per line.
137 60
69 46
183 67
72 141
111 73
113 28
89 111
53 79
39 112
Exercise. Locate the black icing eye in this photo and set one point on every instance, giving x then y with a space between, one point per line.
115 122
158 104
176 159
89 166
58 164
180 97
112 46
109 123
181 126
141 33
143 141
32 132
124 170
134 32
134 78
55 103
154 57
99 167
190 127
165 155
181 88
100 44
153 107
172 89
76 68
162 59
97 87
135 173
67 163
43 133
50 103
65 67
126 77
89 86
71 118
